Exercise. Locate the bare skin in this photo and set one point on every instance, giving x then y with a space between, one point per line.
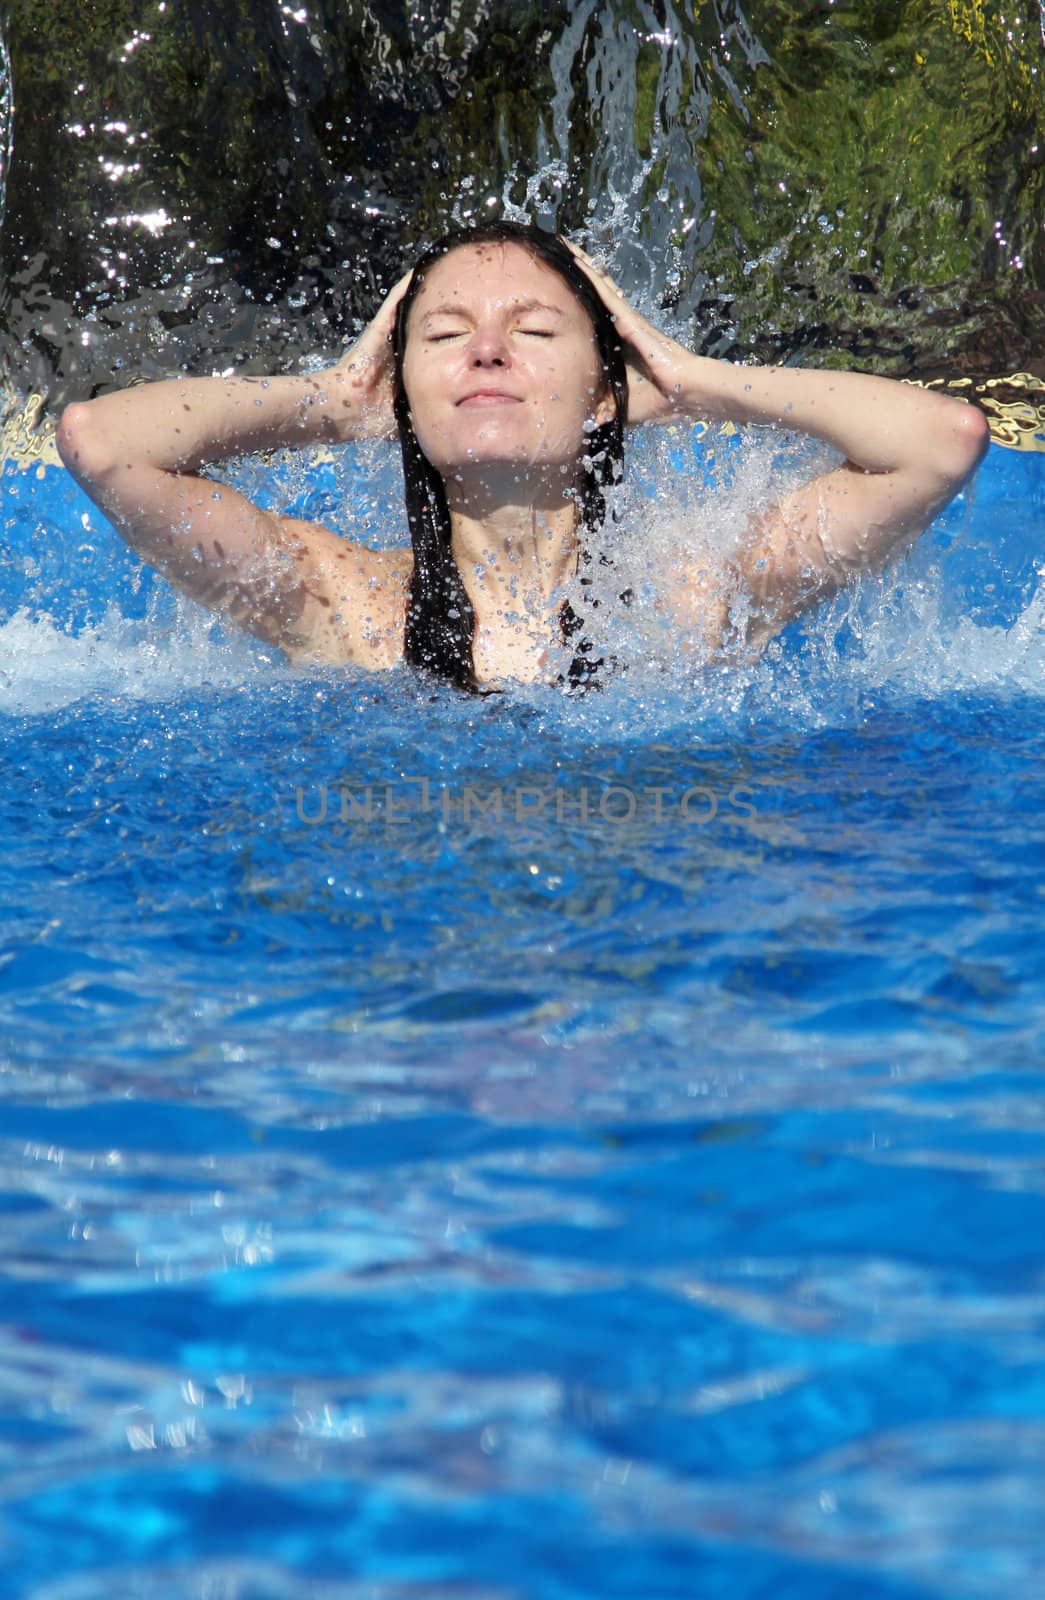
501 375
292 583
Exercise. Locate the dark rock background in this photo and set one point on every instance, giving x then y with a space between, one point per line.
234 183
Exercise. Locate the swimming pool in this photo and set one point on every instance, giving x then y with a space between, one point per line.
529 1148
606 1159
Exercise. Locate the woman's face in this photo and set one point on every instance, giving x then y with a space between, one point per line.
501 367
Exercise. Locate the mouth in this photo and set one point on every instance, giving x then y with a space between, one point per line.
489 397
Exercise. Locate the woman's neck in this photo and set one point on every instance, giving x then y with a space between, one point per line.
513 558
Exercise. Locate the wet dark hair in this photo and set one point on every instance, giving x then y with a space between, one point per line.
440 620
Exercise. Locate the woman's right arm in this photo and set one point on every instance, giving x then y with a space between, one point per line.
137 454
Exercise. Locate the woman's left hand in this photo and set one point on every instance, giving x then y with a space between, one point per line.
659 370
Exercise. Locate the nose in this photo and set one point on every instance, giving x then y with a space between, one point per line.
488 346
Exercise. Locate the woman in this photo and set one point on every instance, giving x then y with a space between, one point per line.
509 366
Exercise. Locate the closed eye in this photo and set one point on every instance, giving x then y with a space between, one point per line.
461 333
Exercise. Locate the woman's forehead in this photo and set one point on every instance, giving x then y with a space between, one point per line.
493 270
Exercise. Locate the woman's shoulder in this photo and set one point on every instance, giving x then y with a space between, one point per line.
360 597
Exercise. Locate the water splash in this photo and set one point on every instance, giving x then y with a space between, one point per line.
6 122
963 611
45 666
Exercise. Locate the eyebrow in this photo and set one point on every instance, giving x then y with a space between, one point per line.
520 306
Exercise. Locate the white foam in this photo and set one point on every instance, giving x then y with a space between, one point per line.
44 667
899 629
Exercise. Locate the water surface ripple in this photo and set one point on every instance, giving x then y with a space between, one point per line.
592 1197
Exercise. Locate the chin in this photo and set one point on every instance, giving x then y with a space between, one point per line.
495 447
497 456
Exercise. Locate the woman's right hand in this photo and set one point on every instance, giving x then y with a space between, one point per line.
367 371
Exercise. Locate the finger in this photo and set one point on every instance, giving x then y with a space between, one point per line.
596 272
578 250
586 264
615 301
372 345
386 311
398 289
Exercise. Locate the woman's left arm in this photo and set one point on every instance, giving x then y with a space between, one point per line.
907 453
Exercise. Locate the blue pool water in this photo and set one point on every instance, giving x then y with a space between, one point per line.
611 1166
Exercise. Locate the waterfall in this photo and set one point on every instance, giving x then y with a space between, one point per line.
233 185
6 121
